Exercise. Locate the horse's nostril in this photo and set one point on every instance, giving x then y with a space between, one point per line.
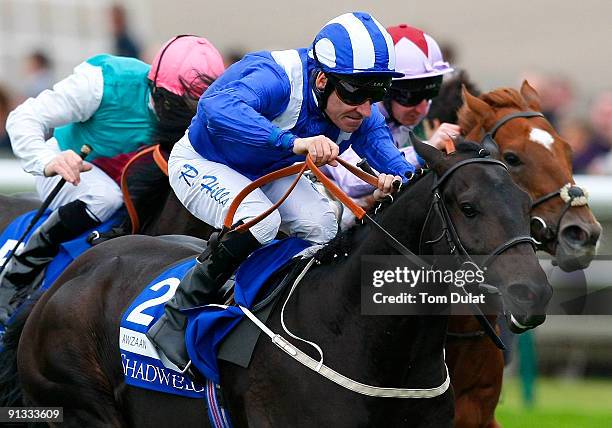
521 293
575 235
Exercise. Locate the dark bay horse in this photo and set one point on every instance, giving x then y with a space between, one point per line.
173 218
540 162
69 350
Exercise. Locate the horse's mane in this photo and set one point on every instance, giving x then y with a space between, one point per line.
498 98
342 244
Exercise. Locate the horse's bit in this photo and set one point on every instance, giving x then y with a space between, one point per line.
571 194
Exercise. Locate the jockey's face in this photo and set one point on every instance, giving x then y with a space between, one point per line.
346 117
410 116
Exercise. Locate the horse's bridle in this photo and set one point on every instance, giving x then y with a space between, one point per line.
571 194
456 247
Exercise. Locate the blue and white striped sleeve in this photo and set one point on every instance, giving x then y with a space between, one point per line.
241 111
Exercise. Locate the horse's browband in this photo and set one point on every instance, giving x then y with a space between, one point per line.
507 118
458 165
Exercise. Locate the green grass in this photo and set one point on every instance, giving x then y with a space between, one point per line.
558 404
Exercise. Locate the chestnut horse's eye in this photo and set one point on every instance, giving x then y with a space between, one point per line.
512 159
468 210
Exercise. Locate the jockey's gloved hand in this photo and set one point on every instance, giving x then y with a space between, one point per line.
321 149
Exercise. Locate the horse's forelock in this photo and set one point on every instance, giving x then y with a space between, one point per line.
505 97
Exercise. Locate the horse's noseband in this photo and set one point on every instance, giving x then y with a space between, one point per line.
454 241
572 195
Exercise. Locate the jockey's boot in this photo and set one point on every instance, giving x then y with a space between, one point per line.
25 270
199 287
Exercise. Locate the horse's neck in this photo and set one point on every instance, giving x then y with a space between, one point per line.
404 220
400 342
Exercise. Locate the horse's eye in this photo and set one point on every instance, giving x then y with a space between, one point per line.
468 210
512 159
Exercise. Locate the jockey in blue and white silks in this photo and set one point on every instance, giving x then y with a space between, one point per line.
266 112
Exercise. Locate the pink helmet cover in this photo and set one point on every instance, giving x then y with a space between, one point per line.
183 59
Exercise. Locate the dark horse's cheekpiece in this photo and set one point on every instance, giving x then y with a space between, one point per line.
90 365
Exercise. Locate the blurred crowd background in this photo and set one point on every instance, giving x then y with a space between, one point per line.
561 48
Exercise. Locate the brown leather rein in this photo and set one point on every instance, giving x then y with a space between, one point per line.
162 164
299 170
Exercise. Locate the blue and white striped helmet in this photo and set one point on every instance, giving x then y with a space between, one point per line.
355 43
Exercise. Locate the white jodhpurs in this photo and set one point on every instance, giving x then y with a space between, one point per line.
208 188
98 191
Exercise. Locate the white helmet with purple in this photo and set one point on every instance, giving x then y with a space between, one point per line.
419 59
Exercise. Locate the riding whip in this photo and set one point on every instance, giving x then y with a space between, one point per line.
85 151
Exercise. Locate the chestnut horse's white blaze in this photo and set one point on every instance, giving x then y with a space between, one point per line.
542 137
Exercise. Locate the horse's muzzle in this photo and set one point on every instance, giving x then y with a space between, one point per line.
577 245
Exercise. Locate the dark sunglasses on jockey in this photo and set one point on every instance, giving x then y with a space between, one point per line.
411 92
355 91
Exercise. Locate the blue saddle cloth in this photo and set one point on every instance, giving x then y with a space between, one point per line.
207 325
68 250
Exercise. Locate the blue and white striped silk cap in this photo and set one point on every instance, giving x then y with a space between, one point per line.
355 43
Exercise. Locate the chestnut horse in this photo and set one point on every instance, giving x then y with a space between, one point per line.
539 161
69 350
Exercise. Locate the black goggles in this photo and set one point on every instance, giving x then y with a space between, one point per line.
409 98
411 92
357 93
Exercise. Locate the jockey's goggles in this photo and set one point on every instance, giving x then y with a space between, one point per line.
356 91
410 94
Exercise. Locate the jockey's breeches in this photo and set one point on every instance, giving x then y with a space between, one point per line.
208 188
101 195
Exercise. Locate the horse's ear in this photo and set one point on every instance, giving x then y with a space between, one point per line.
478 106
431 155
531 96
